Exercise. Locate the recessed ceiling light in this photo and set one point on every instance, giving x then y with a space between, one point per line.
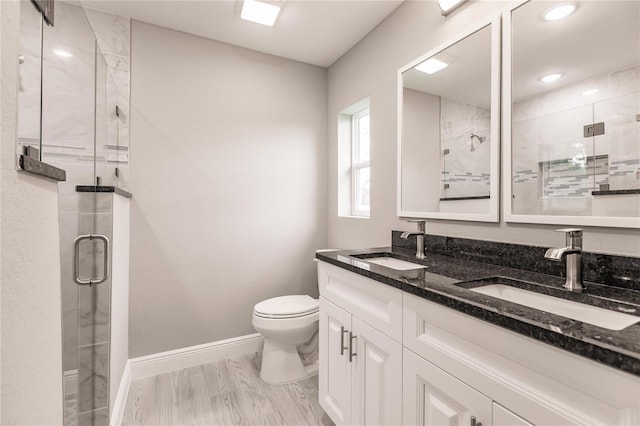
63 53
261 12
431 66
590 92
447 6
559 12
550 78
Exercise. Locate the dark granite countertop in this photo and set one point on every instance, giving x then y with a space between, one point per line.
437 283
103 189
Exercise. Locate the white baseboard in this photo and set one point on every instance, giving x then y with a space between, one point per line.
164 362
121 397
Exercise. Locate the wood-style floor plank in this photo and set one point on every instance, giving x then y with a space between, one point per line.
227 392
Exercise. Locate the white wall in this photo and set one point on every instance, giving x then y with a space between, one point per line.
370 69
31 344
228 148
421 149
119 337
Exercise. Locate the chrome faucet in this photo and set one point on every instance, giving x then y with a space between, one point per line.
419 239
573 254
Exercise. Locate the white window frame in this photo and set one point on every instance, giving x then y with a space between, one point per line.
357 165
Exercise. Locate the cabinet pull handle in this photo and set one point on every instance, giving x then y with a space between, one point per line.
351 353
474 422
342 346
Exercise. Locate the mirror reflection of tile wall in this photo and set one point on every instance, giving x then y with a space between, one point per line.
548 134
593 58
465 167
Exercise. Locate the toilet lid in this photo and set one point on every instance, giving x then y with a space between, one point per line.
287 306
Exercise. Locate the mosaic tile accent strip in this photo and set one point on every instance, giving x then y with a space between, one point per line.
521 176
574 177
483 178
624 167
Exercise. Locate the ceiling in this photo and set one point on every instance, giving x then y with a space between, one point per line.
467 78
600 37
316 32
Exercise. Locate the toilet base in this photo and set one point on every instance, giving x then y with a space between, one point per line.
281 365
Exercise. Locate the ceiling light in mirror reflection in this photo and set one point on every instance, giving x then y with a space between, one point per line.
550 78
63 53
432 66
448 5
260 12
559 12
590 92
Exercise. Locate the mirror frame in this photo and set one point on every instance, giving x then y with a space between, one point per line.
494 201
603 221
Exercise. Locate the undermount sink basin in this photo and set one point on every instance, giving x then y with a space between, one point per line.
393 263
593 315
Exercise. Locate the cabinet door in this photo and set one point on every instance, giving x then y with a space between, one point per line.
504 417
334 376
433 397
377 382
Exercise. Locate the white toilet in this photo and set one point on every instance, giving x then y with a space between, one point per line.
289 325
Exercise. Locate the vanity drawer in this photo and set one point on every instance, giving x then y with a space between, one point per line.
377 304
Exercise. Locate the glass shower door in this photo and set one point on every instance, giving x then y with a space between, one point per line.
74 121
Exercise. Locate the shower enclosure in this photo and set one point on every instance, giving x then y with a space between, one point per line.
73 114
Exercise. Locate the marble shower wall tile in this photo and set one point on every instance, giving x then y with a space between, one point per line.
457 118
29 83
554 121
625 81
94 418
112 31
95 202
68 120
94 301
119 68
525 110
93 371
93 314
466 168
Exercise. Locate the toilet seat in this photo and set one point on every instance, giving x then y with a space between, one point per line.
283 307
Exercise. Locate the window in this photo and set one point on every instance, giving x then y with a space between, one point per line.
354 161
360 164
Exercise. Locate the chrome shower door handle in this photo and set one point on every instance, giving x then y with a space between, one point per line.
76 260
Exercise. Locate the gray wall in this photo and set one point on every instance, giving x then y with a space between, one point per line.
228 148
370 69
31 343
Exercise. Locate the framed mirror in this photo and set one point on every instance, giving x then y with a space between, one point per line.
572 116
449 129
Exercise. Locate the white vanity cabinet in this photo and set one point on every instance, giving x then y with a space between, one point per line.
524 381
504 417
433 397
420 363
360 381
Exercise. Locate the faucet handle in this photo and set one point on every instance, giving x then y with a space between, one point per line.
574 232
421 224
573 237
